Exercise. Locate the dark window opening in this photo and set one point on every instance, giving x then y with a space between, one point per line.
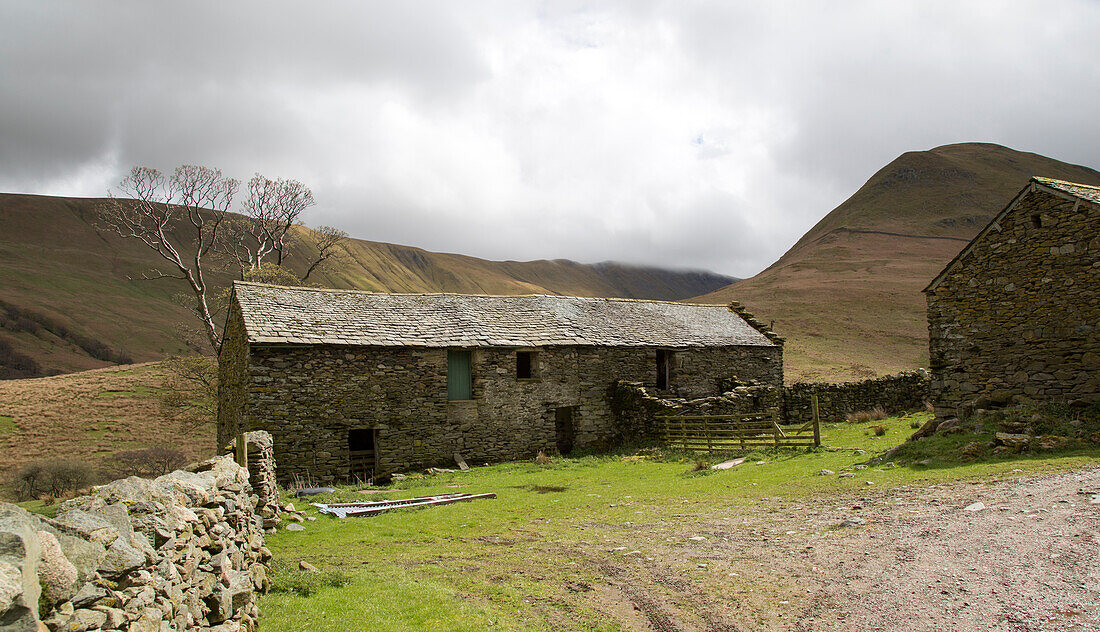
362 453
459 375
664 368
1037 221
525 364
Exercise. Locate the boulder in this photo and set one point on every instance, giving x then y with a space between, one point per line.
20 552
56 574
950 427
1013 441
927 430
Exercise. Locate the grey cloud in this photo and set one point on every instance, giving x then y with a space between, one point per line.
687 134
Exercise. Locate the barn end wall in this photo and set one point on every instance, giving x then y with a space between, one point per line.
232 377
1020 312
308 397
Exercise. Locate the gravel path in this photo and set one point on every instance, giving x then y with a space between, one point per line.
913 559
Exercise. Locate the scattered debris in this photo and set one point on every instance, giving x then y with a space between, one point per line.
460 462
727 465
854 521
313 491
343 510
826 473
978 506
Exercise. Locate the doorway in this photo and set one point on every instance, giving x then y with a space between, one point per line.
664 369
362 454
563 428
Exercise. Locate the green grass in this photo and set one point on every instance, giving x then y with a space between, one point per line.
7 424
41 507
507 563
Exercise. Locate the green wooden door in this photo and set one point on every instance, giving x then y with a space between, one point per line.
459 382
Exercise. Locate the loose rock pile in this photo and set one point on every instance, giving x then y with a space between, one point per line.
182 552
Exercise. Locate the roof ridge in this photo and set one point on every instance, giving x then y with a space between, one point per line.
556 296
1056 181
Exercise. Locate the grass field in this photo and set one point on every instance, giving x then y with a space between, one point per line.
586 543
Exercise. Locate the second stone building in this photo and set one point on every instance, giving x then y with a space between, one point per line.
355 385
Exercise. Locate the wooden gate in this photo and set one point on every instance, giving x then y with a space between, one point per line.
762 429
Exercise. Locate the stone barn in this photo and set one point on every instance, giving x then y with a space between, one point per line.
354 385
1018 310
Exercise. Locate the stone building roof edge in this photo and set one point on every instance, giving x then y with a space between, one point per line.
278 315
620 299
1061 188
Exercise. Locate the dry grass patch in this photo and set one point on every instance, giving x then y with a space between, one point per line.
90 417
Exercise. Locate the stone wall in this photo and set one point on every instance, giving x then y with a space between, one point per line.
894 393
182 552
636 408
309 397
1020 311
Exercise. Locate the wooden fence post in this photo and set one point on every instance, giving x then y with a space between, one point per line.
241 451
817 419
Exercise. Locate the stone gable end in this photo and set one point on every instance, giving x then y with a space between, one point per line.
1019 310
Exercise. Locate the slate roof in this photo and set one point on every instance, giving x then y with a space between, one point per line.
1084 191
274 314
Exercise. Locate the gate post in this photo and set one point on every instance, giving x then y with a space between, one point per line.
817 419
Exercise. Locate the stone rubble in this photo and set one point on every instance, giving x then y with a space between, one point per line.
182 552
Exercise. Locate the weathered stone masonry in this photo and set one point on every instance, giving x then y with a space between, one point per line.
1019 309
182 552
309 396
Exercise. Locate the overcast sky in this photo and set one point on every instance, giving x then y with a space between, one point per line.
684 134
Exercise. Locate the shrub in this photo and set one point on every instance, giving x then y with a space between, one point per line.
875 414
878 430
52 478
155 461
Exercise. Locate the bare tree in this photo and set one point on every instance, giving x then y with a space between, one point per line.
269 212
325 239
181 218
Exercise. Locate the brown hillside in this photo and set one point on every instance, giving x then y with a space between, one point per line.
847 295
57 273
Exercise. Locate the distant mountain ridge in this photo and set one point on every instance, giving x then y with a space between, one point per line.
55 268
847 295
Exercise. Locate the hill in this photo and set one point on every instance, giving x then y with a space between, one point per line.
847 296
72 298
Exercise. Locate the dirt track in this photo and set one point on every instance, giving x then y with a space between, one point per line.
1029 560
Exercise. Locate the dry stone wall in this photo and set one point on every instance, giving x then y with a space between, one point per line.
1020 312
309 397
182 552
637 407
903 392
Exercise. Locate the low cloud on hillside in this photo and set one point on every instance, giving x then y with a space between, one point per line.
684 134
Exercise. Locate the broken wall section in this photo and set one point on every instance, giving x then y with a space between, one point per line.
636 408
182 552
